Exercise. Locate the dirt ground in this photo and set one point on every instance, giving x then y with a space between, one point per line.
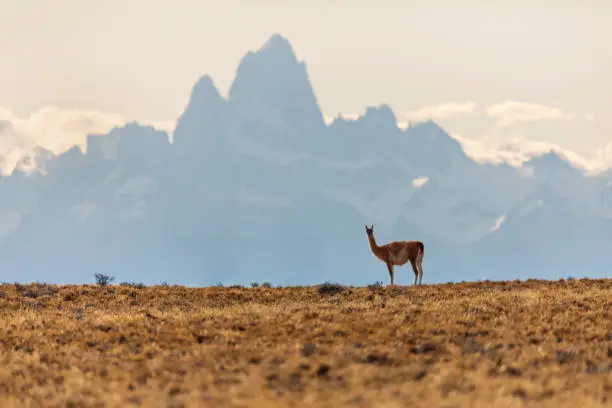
484 344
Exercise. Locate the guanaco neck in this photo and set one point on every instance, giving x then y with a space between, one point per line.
377 251
373 246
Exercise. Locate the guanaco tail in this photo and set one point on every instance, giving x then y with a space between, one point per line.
398 253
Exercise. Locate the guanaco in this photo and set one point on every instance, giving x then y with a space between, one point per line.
398 253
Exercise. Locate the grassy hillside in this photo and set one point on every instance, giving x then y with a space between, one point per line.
485 344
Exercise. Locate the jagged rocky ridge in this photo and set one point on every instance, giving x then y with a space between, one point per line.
257 187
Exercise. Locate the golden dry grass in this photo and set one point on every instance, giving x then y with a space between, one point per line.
486 344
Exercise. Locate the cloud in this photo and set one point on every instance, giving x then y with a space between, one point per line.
59 129
604 154
512 112
516 151
442 111
486 153
503 143
530 148
420 181
55 129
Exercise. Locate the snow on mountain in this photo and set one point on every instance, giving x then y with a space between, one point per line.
420 181
35 161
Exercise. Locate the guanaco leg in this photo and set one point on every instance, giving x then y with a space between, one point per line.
420 264
415 269
390 268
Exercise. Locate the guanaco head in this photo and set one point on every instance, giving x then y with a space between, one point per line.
370 230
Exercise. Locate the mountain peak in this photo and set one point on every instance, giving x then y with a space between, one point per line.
432 142
203 118
551 160
381 114
204 92
70 158
430 125
272 80
278 45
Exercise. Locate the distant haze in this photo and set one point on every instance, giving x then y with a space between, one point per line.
512 75
239 141
262 185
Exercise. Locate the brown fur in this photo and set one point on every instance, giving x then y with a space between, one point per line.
398 253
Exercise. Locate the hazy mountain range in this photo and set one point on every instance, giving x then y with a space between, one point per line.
258 187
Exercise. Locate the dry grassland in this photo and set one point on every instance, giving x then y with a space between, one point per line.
486 344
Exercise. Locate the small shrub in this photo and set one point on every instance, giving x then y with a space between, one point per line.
69 296
103 280
254 284
164 284
218 285
138 285
328 288
266 285
37 290
30 293
375 286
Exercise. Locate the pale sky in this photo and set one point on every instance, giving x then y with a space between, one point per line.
487 71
